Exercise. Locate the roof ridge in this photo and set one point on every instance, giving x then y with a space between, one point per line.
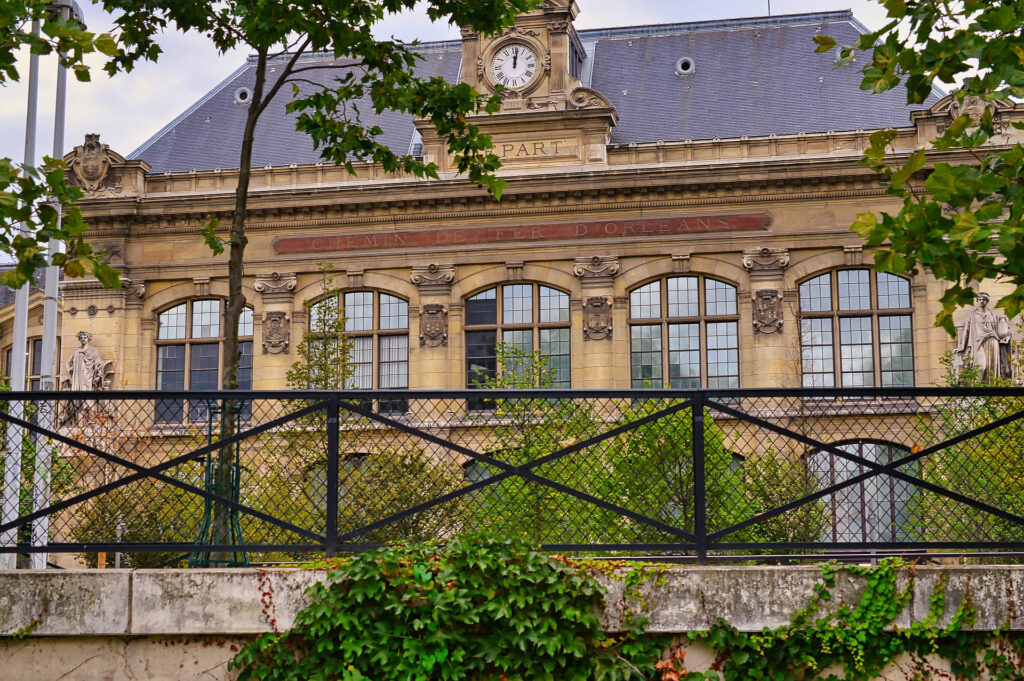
718 24
639 30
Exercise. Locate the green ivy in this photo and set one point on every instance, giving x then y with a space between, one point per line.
860 640
486 608
481 608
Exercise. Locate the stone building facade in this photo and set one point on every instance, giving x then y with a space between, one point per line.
677 213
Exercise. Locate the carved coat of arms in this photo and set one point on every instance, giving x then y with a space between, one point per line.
767 311
433 325
91 163
597 318
275 333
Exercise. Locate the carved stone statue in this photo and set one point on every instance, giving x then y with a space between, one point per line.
85 365
985 340
86 370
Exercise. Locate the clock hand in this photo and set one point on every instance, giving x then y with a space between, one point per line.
515 57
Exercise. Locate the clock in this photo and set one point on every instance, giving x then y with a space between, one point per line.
514 66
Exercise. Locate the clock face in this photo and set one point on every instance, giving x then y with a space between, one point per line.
514 65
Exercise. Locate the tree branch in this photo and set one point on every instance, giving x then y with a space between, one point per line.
284 76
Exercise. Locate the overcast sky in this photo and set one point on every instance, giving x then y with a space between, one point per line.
128 108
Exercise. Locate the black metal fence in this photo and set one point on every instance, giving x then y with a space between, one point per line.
169 478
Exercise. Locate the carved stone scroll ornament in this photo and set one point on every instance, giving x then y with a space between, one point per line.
767 311
596 267
766 259
276 333
275 283
597 318
432 275
585 98
433 325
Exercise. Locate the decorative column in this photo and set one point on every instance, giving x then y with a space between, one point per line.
594 349
430 344
138 342
272 335
773 358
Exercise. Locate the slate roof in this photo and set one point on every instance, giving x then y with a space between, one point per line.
7 293
751 77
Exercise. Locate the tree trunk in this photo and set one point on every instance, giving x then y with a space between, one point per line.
225 472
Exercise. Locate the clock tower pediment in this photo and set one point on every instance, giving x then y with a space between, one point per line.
547 116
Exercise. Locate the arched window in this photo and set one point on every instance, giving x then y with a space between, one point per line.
683 333
189 342
528 317
874 510
377 325
855 330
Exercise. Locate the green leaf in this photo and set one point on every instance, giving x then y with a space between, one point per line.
824 43
209 234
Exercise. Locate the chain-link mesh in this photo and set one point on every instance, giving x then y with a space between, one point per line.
163 479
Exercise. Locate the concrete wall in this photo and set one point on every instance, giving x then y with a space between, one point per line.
186 624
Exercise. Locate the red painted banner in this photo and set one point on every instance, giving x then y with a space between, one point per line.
463 236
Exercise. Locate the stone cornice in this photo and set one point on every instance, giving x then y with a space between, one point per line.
609 190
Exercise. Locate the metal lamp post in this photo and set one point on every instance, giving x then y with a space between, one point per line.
10 499
47 411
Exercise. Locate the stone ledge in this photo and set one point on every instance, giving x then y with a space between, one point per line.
220 602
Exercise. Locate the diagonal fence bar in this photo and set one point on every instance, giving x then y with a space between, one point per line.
692 474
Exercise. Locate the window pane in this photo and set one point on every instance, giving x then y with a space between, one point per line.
482 308
816 294
394 312
554 344
206 319
245 365
723 355
854 290
202 375
362 363
37 357
521 340
645 302
554 305
645 356
684 355
170 375
394 362
245 373
719 297
245 322
893 291
896 351
517 304
323 315
203 370
171 324
855 353
481 357
874 510
816 353
359 311
682 297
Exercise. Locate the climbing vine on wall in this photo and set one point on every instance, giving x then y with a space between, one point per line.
483 608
